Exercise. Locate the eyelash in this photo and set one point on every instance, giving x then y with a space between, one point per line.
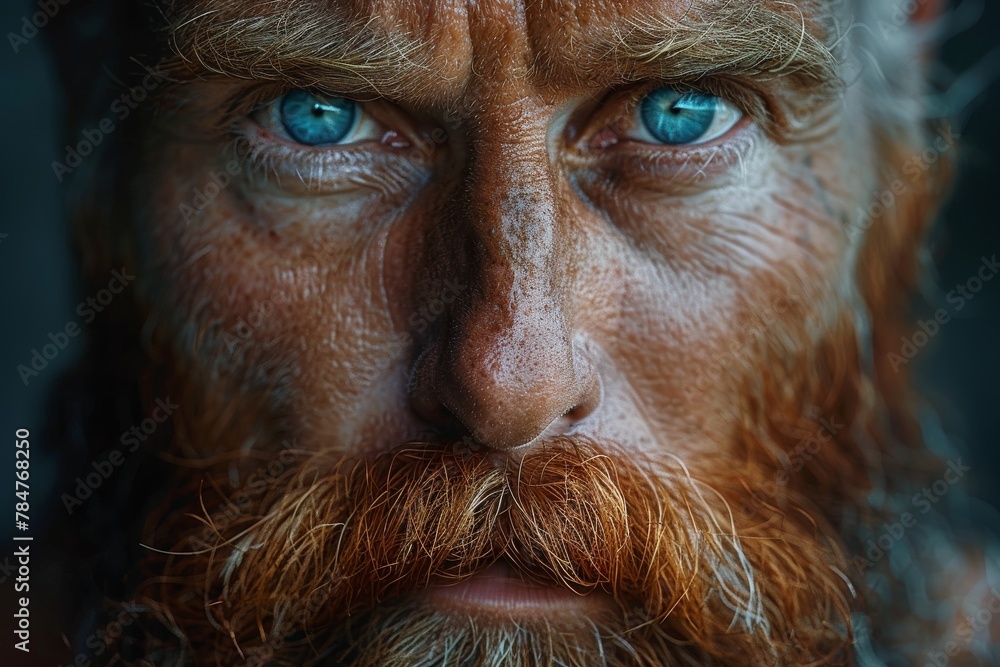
623 104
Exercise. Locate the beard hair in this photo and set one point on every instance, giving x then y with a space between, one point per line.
708 562
305 575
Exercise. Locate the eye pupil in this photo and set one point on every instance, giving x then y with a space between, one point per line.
316 121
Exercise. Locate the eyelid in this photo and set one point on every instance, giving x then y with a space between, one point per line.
285 167
621 105
247 100
365 127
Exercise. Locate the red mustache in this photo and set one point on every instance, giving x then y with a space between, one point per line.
359 534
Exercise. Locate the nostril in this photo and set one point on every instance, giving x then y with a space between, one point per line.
576 414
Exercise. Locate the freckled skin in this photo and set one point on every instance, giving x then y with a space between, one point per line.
597 290
501 332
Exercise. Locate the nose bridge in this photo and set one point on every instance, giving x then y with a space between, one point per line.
510 208
505 367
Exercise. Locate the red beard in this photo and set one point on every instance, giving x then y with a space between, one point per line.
327 566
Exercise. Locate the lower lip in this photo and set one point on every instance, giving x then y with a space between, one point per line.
500 589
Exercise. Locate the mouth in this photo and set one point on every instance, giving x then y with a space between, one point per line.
500 589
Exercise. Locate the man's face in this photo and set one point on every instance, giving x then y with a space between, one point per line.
520 236
521 231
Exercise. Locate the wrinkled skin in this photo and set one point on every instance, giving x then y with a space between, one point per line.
595 282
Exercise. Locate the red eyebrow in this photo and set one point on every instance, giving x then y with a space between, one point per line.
738 40
312 46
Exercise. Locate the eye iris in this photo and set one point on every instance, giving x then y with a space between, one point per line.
314 121
676 117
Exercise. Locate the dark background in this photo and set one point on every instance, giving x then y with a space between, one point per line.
959 370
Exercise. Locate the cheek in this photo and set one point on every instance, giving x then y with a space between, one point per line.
270 292
725 279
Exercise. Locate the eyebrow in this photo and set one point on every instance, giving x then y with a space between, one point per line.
307 46
756 40
311 46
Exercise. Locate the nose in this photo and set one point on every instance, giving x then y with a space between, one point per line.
507 363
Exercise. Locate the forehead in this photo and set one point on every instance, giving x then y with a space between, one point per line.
439 48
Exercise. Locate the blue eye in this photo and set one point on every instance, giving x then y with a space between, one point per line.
316 121
679 118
